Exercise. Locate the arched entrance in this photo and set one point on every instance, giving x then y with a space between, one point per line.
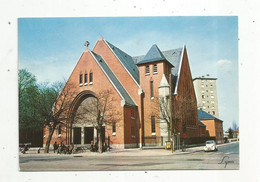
83 131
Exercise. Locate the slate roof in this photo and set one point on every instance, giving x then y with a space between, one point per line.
126 60
114 79
153 55
173 56
203 115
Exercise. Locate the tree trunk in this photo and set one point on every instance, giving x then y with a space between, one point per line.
46 150
100 141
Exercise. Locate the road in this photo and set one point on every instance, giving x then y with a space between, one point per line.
227 157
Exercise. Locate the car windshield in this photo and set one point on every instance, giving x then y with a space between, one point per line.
209 142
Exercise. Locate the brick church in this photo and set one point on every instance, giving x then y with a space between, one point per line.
136 82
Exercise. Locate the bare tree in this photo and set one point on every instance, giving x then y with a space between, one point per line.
55 103
234 126
99 111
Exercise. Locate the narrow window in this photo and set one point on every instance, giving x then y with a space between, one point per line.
90 78
151 87
213 112
59 129
203 96
132 114
114 128
86 78
155 68
80 79
153 125
147 69
133 132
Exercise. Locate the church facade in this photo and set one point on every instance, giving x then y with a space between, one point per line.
137 84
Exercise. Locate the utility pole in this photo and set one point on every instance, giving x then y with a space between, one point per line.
171 124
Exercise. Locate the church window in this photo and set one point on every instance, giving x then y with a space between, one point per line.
90 78
153 124
151 89
86 78
155 68
80 79
114 128
147 70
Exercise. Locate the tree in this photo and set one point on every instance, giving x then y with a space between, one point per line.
234 126
230 133
29 117
55 102
99 111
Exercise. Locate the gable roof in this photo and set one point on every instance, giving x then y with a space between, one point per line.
174 57
113 79
203 115
126 60
153 55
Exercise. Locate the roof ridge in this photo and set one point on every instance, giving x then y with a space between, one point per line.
127 61
110 74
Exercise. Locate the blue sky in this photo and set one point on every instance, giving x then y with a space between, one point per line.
51 47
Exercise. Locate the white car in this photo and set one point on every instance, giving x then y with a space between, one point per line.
210 146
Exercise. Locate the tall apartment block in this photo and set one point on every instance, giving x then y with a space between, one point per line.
206 94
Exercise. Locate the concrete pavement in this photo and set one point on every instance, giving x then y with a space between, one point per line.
124 152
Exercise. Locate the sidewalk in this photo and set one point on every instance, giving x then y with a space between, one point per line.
124 152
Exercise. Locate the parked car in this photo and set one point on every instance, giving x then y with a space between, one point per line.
210 146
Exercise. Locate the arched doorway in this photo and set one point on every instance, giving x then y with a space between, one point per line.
83 131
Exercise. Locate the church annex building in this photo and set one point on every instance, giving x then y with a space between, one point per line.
137 83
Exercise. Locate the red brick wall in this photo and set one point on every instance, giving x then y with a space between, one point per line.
100 82
124 77
185 104
150 104
219 131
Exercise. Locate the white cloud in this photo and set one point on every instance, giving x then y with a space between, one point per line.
225 66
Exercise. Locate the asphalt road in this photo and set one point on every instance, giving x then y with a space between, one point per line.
227 157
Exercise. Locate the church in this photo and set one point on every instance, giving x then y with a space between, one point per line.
137 83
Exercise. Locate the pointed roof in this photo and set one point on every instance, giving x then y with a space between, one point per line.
126 60
164 82
153 55
113 79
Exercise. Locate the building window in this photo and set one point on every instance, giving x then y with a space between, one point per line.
59 129
114 128
153 124
80 79
155 68
147 70
202 85
211 91
133 132
203 96
151 89
203 101
202 91
213 112
90 78
212 102
132 114
212 96
86 78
